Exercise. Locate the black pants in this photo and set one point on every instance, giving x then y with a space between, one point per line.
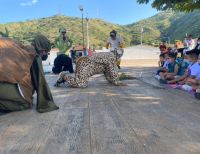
62 63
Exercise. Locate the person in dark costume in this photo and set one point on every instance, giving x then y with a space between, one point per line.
22 75
62 63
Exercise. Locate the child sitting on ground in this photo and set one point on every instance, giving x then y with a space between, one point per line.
163 63
193 83
183 66
172 69
193 70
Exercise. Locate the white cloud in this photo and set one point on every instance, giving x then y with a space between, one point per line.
29 3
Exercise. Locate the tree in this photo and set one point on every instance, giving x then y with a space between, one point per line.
181 5
6 34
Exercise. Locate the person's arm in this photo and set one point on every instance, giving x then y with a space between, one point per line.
175 71
107 45
192 81
182 77
159 63
121 43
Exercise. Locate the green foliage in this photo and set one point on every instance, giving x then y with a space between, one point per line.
161 27
166 25
5 34
181 5
99 30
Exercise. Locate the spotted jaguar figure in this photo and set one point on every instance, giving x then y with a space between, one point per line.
98 63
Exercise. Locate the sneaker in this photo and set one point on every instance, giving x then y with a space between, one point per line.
157 77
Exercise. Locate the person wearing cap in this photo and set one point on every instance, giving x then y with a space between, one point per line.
22 74
63 62
115 43
63 43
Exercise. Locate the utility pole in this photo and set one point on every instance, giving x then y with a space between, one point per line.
88 38
142 30
81 9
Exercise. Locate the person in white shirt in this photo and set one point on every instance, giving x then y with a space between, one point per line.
114 43
189 44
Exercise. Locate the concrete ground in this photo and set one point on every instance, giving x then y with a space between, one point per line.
141 118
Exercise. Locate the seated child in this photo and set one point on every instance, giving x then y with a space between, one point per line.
172 69
183 66
163 63
194 83
193 70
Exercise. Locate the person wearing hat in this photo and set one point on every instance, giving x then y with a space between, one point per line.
63 62
115 43
22 74
63 43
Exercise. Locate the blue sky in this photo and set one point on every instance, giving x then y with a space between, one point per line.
115 11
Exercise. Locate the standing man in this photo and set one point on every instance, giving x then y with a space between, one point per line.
63 62
63 43
115 43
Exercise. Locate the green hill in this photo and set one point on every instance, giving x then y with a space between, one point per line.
162 26
166 25
99 30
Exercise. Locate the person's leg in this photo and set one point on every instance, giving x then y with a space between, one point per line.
45 102
111 74
14 102
169 77
162 76
81 76
118 64
56 69
68 66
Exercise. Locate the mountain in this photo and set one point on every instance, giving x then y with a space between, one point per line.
163 26
166 25
98 29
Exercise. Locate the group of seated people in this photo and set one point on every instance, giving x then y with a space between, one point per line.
181 67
